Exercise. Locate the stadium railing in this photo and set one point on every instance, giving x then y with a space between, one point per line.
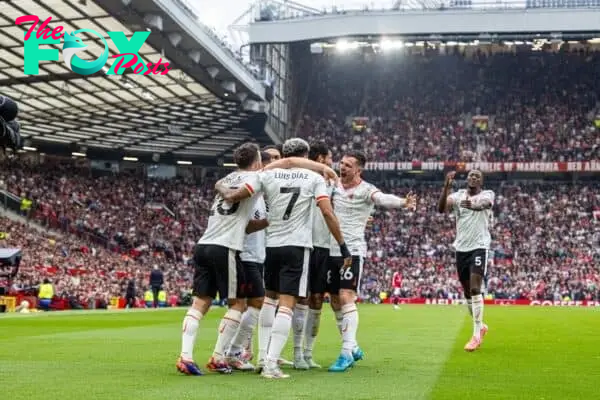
9 201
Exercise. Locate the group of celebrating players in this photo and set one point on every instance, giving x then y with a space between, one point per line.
284 230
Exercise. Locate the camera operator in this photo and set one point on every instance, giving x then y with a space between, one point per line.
9 126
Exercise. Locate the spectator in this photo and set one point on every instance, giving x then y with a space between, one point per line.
156 282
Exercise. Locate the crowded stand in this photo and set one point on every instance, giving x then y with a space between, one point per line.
462 106
103 231
559 259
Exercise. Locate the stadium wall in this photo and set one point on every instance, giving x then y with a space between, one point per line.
120 302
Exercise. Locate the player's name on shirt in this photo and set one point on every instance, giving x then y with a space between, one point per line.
291 195
291 175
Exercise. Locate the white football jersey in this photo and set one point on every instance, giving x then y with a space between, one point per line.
353 207
320 233
227 222
291 194
472 227
254 244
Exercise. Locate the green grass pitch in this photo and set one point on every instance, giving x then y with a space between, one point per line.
412 353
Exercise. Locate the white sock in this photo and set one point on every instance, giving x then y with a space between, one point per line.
247 325
227 329
470 306
349 327
279 335
190 330
299 323
338 320
265 324
313 321
477 314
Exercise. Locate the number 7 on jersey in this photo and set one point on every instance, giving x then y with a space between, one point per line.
295 191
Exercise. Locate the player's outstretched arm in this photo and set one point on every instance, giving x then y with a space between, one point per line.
445 203
255 225
333 224
299 162
391 201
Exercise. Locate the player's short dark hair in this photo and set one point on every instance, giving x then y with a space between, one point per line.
318 149
295 147
359 156
245 155
265 157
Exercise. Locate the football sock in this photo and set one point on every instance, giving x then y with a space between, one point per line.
349 328
227 330
265 324
298 323
247 325
477 314
191 321
279 335
313 321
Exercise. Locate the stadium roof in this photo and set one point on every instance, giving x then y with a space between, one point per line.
186 114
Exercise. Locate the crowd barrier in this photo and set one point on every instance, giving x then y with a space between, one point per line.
502 302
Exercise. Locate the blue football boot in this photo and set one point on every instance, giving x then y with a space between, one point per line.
358 354
343 363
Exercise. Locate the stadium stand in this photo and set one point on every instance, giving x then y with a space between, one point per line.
475 106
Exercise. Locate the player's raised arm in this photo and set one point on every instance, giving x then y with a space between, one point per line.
446 202
391 201
301 162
